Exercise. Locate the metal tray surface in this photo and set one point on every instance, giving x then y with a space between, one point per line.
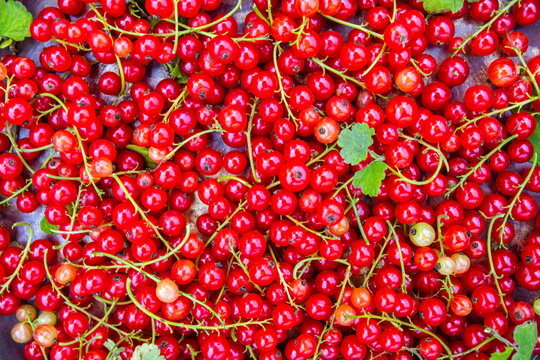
9 214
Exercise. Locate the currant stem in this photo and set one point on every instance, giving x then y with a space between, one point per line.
337 72
404 275
353 200
495 112
354 26
141 212
310 259
281 278
485 26
15 194
491 266
403 323
376 262
85 161
321 155
226 222
516 196
12 136
74 213
480 163
23 257
248 135
69 303
188 139
282 93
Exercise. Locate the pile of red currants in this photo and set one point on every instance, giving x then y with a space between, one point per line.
289 192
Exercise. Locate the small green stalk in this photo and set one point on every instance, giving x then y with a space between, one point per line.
23 257
354 26
141 212
496 112
485 26
376 262
188 326
248 135
404 275
284 96
353 200
226 222
407 324
338 73
491 266
516 196
480 163
281 278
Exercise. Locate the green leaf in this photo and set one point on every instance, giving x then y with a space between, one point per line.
370 178
14 20
503 355
147 352
144 152
440 6
535 140
174 70
354 143
525 336
47 227
6 43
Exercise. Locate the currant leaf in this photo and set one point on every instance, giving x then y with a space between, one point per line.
176 73
354 143
439 6
147 352
144 152
46 226
370 178
525 336
502 355
535 140
14 20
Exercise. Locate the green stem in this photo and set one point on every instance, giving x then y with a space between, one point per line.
321 155
235 178
496 112
226 222
187 326
23 257
401 263
376 262
338 73
85 161
310 259
354 26
15 194
141 212
480 163
37 149
516 196
410 325
188 139
491 266
281 278
248 133
12 136
353 200
54 97
485 26
283 95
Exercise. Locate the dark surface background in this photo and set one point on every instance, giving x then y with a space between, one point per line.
31 48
